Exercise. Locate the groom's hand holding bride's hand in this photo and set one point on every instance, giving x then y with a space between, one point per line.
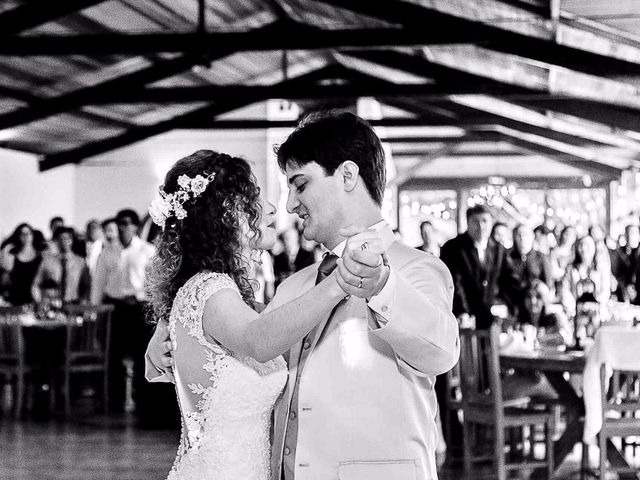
363 269
159 351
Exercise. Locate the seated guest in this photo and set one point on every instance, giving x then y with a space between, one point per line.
63 275
624 264
20 260
482 274
429 242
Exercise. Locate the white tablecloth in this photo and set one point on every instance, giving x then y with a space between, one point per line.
619 348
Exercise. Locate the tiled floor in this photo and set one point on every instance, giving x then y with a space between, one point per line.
110 448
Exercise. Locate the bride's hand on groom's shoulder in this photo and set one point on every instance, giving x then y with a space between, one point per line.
363 270
159 351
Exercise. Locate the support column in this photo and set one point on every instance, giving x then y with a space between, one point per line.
461 200
608 192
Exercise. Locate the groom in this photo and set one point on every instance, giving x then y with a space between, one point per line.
360 402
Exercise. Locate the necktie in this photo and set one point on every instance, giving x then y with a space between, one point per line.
328 265
63 278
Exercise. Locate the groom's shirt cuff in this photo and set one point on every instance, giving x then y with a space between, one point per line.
382 303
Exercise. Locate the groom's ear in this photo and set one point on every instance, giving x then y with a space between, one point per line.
349 172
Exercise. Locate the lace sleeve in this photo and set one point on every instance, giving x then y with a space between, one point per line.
197 362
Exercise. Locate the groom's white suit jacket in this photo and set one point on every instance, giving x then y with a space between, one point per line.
366 404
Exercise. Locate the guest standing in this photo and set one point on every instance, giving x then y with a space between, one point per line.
94 243
482 275
62 275
21 258
586 269
119 280
624 264
530 267
429 242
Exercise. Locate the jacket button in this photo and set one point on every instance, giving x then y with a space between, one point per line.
306 345
485 283
385 308
292 415
287 451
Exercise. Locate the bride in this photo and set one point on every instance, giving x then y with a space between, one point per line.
228 366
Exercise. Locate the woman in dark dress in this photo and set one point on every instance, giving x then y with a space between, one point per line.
22 257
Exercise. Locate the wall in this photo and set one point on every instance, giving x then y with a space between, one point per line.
129 177
101 186
28 195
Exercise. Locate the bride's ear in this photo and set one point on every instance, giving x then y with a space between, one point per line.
349 172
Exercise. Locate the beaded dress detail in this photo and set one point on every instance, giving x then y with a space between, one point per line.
225 400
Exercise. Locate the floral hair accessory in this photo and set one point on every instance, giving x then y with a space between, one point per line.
168 204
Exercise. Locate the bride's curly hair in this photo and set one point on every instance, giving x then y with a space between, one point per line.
210 238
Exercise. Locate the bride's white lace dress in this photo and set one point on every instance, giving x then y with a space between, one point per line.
225 400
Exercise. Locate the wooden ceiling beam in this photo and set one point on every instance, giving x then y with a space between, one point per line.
454 183
188 94
29 97
31 14
516 31
136 134
277 36
513 114
43 108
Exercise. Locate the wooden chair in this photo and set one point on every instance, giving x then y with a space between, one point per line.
88 340
483 404
451 405
12 353
620 407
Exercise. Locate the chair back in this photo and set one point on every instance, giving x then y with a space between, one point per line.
11 336
88 333
480 369
620 394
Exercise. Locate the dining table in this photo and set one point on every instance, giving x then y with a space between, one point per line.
562 368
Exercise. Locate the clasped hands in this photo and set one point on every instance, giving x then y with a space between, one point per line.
363 269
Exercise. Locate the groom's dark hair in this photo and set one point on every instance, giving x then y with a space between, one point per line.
330 138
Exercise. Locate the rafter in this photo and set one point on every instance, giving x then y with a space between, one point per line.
563 153
29 15
214 124
576 49
598 112
453 183
30 98
42 108
279 10
541 8
279 36
137 134
181 94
